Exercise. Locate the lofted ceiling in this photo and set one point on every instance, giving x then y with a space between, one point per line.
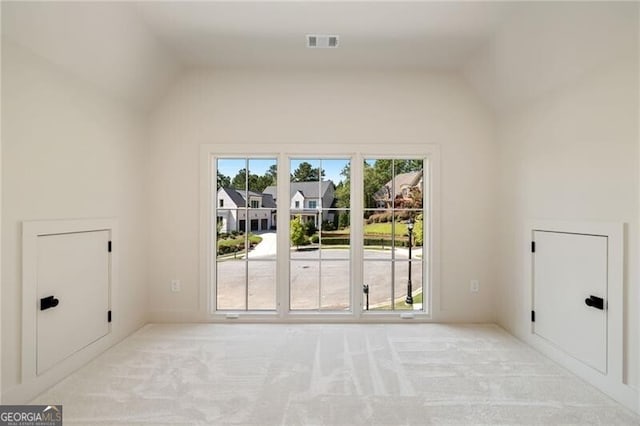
382 35
135 49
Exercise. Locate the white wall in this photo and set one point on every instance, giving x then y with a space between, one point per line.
68 151
563 80
0 225
543 46
248 108
102 43
572 155
637 378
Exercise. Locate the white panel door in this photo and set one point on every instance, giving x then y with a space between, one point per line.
570 282
74 269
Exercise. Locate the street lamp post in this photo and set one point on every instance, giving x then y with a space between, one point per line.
409 299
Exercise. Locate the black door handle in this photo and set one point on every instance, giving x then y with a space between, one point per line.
595 302
48 302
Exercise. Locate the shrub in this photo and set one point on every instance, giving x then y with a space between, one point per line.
328 226
418 231
343 221
384 242
403 215
315 239
296 232
336 241
310 228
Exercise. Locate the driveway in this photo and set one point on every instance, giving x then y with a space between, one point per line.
267 248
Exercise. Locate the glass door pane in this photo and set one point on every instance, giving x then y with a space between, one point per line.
246 250
393 197
320 236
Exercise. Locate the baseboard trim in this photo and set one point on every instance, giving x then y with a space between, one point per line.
25 392
611 386
176 316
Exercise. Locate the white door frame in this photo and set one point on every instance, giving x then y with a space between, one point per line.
284 152
612 382
32 383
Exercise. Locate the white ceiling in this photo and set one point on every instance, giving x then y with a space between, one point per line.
133 49
379 35
509 51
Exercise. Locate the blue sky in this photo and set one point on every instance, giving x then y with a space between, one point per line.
231 166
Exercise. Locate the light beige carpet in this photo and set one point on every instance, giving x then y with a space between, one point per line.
405 374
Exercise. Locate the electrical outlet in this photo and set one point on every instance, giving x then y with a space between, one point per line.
474 286
175 286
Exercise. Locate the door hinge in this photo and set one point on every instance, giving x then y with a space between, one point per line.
108 316
533 316
109 247
533 246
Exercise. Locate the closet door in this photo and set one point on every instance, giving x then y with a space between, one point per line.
72 294
570 294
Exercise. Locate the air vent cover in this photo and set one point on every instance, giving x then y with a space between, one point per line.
322 41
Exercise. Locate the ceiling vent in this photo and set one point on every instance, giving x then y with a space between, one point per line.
322 41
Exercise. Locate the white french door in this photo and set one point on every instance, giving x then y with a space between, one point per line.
319 233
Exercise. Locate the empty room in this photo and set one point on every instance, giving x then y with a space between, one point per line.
320 213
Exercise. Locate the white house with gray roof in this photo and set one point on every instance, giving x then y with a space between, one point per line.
238 210
310 200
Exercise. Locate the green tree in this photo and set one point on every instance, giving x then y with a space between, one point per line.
272 173
343 189
256 183
406 166
306 173
223 181
296 231
418 231
376 175
261 183
239 181
379 172
343 220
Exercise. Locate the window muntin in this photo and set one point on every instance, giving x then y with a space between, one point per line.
393 198
320 254
246 249
281 269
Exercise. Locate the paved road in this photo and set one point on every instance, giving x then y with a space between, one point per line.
314 284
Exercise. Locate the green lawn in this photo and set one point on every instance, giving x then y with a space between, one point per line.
385 229
235 244
376 229
400 305
239 239
416 299
375 234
